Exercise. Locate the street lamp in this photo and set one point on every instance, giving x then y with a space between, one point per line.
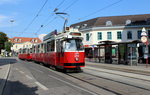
11 21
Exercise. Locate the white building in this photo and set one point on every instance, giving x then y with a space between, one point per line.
114 28
23 42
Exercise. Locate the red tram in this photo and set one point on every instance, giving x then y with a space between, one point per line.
63 50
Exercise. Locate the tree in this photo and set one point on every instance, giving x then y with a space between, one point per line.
8 46
3 39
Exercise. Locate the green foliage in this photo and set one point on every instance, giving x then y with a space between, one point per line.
3 39
8 46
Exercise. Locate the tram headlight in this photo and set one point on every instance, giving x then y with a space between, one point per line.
76 59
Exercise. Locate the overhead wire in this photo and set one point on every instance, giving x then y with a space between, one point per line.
50 16
44 26
70 5
110 5
60 3
31 22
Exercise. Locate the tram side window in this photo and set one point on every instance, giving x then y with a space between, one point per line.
58 46
42 48
52 45
30 50
45 48
37 49
48 46
34 49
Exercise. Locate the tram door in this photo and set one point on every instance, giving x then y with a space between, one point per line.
58 51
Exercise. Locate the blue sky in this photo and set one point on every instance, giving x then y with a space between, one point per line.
23 12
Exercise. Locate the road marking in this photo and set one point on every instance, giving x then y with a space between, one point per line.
21 72
41 85
37 70
73 85
28 77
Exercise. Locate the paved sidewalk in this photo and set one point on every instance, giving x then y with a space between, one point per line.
140 67
4 71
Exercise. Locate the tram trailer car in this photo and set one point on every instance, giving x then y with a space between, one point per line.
24 54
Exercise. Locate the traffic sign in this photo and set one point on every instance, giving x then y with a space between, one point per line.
144 39
143 34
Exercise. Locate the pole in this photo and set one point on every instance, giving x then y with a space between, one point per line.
93 52
144 39
147 54
131 55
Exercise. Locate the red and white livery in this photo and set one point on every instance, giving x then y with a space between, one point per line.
61 50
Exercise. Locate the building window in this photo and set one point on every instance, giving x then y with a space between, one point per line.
108 23
139 34
129 35
16 40
128 22
87 37
35 40
99 36
119 35
109 36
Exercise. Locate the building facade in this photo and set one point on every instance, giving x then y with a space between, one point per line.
22 42
114 28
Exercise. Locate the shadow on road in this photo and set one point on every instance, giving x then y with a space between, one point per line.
17 88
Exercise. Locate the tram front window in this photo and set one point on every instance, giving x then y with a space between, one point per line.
73 45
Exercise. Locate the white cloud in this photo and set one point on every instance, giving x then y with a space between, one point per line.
41 36
2 17
8 1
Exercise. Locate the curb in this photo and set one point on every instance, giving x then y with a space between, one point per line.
3 82
121 68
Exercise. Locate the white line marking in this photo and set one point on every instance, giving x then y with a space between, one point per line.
41 85
28 77
21 72
73 85
37 70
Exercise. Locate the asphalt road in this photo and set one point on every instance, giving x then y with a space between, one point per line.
28 78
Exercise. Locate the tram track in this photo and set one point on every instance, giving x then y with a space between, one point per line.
119 82
123 75
93 84
123 70
110 85
102 84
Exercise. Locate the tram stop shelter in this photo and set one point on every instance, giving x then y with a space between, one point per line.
118 52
